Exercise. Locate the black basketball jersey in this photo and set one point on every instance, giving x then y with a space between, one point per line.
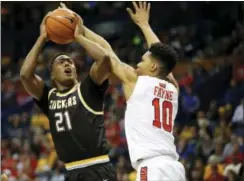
76 120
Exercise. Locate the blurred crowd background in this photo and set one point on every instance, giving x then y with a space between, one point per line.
209 129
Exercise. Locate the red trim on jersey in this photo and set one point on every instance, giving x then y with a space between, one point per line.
143 174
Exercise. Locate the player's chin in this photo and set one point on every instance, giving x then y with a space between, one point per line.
68 79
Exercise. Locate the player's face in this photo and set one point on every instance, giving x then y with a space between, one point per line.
145 66
63 69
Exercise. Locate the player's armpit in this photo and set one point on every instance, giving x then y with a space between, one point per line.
33 85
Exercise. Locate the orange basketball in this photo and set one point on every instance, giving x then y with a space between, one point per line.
60 26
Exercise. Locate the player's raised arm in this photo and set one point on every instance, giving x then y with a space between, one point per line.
99 71
33 83
141 19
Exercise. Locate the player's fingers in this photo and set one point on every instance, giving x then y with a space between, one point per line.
148 7
144 5
79 19
135 5
63 5
130 12
140 5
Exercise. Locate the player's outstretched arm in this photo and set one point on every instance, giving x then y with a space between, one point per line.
33 83
141 19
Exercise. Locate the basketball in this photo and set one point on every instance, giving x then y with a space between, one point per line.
60 26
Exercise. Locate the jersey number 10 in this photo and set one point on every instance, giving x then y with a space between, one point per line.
167 110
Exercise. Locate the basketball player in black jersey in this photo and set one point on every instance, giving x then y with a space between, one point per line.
74 109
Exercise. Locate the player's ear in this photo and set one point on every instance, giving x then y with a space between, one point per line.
52 75
153 67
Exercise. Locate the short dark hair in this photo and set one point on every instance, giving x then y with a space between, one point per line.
53 59
165 54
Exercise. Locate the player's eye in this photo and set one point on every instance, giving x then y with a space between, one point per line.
70 61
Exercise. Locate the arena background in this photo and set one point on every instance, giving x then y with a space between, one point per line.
209 131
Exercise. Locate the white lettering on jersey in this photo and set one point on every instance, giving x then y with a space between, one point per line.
61 104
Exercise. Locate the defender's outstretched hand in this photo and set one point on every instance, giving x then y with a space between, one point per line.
142 13
43 32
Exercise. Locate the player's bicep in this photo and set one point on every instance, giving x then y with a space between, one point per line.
173 81
33 85
99 72
122 71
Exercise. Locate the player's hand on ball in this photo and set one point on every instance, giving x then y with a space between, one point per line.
79 30
64 7
43 32
142 13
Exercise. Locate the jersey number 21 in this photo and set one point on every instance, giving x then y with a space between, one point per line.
162 118
61 120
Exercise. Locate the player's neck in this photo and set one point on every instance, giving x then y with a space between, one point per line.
69 85
159 76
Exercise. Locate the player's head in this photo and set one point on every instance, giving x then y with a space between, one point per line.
63 70
158 61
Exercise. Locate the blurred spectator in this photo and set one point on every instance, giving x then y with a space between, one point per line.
218 151
215 175
231 176
186 80
229 147
190 103
214 171
113 131
14 127
233 94
235 155
235 166
238 116
212 113
202 121
206 142
197 170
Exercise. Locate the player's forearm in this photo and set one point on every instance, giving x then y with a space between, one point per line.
116 66
28 68
173 80
97 52
149 35
97 39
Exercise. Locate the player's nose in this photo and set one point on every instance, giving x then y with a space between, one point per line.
66 64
